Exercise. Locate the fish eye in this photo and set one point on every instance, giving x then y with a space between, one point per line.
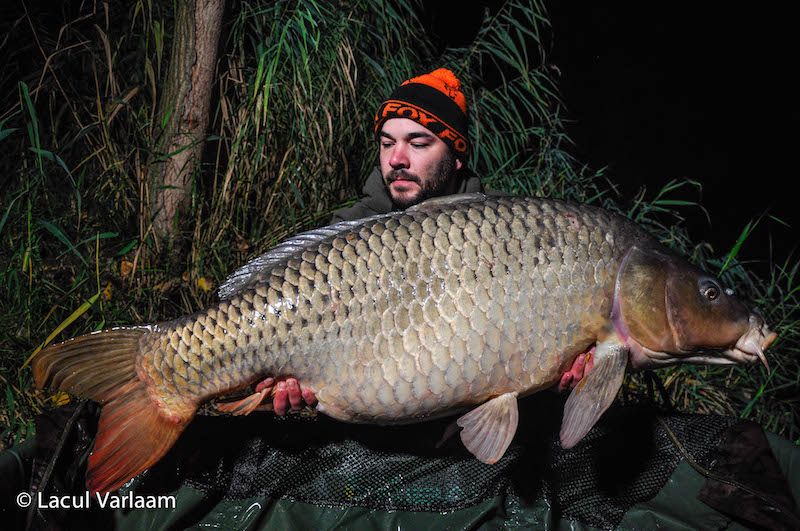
711 292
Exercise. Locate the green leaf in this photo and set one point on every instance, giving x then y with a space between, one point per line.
127 248
63 238
65 323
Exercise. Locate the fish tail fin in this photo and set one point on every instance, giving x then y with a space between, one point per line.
134 430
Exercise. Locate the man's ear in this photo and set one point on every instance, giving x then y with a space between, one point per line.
458 164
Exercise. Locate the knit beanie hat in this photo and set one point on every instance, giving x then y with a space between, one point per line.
435 101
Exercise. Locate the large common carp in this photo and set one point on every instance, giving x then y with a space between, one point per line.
461 303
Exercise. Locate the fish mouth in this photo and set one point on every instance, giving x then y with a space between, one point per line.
750 347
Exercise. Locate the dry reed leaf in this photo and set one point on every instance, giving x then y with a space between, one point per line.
164 286
106 294
125 268
241 244
60 398
204 284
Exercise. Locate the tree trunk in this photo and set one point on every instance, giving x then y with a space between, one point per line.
184 109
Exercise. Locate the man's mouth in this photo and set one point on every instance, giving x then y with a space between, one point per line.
402 177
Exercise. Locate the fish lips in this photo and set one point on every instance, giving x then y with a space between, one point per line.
751 346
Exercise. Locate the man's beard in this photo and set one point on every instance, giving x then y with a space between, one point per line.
442 178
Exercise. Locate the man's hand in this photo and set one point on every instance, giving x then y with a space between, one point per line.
287 395
580 368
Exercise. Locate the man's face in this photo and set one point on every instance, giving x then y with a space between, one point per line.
416 164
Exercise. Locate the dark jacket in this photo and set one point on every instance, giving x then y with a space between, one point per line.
377 200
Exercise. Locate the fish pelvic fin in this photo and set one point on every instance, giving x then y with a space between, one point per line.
246 405
134 430
595 392
489 428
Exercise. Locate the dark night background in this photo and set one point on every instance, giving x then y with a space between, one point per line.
656 92
697 92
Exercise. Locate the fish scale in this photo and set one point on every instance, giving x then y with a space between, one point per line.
459 303
478 306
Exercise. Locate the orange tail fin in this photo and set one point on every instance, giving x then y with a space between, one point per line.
134 432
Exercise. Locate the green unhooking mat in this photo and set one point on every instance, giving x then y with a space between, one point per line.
638 469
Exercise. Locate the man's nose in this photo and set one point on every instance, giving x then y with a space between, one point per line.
399 157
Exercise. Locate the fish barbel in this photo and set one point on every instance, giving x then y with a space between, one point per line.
458 303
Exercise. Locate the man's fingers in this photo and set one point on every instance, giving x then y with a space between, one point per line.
288 395
309 397
280 403
580 367
266 382
295 397
565 382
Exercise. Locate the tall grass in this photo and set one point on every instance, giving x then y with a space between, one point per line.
297 86
300 85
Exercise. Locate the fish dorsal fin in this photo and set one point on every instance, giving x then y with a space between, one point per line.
595 392
490 427
447 200
249 273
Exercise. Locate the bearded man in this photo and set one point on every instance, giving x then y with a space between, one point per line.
422 134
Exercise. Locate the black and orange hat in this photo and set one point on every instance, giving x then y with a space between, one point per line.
435 101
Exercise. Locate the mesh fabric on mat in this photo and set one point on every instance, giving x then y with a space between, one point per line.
626 459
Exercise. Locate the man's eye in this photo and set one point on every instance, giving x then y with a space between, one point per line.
420 145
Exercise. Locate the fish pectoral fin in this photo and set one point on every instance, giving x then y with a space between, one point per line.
489 428
246 405
595 392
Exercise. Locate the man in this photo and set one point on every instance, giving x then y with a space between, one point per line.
422 133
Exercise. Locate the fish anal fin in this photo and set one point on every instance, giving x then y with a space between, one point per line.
595 392
489 428
246 405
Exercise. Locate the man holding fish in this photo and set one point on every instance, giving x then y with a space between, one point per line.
422 132
458 303
425 299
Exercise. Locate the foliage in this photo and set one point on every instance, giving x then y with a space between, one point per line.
297 87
